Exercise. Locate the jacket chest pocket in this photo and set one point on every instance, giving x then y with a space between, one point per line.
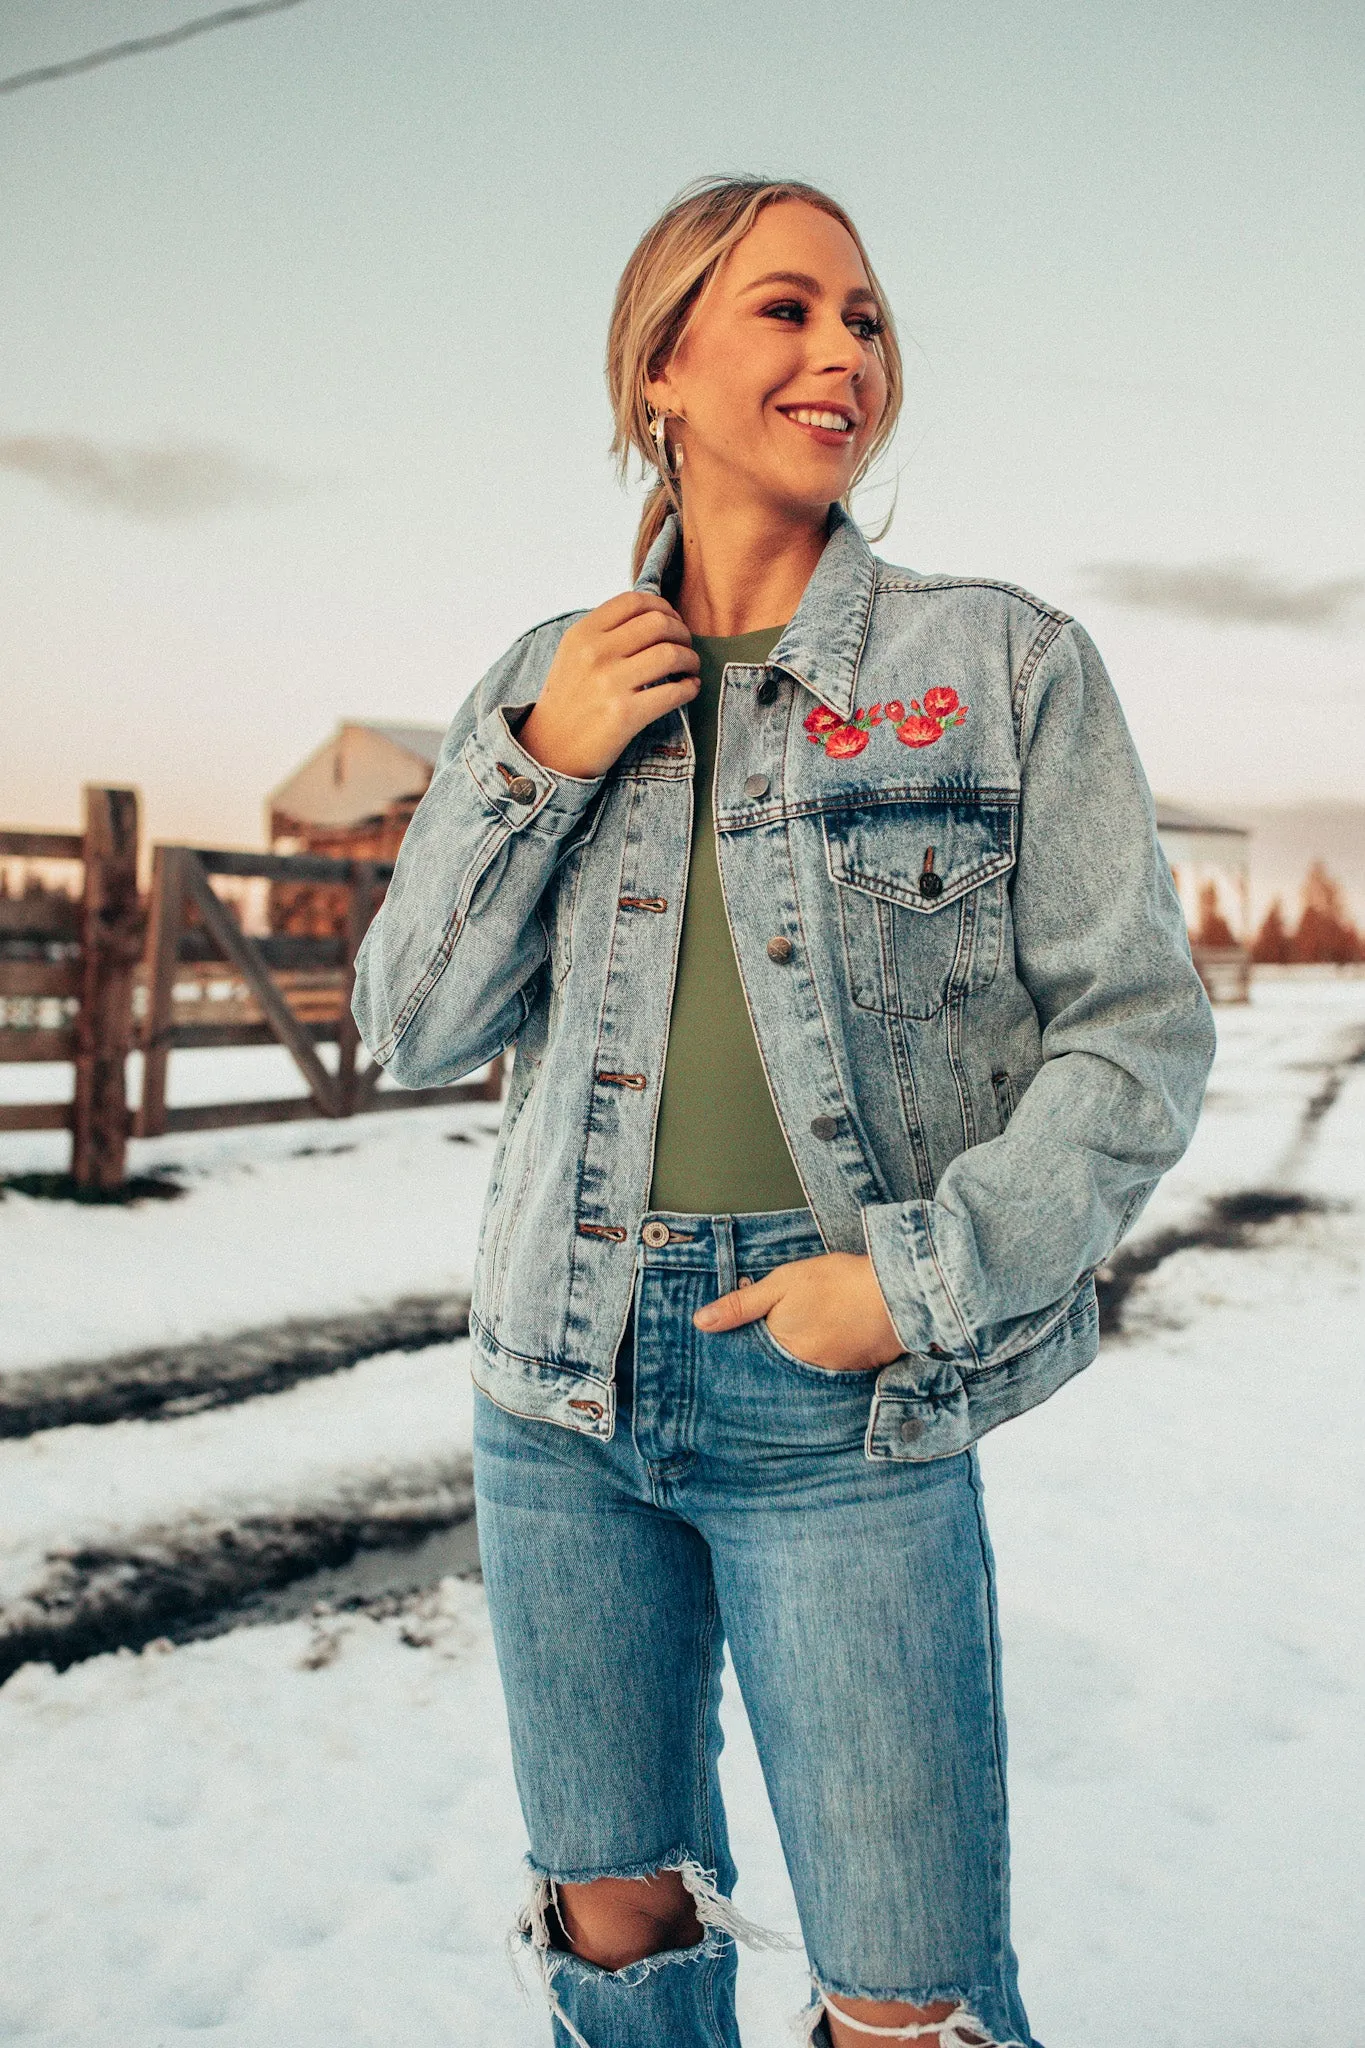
920 890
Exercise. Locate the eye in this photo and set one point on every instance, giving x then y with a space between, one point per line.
867 326
792 310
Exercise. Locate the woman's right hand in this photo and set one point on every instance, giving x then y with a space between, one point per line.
606 683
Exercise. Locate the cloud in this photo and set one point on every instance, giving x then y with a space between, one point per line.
167 480
1237 592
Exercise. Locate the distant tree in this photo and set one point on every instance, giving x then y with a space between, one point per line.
1325 932
1213 928
1272 942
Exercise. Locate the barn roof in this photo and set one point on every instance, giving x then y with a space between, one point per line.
1173 817
422 740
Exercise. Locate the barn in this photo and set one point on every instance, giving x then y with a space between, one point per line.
351 800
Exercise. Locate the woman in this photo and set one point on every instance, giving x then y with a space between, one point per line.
854 1023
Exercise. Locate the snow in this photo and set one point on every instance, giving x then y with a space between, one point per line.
388 1423
282 1219
307 1833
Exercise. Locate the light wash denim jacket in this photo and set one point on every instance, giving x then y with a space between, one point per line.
982 1030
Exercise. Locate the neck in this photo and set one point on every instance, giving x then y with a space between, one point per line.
743 569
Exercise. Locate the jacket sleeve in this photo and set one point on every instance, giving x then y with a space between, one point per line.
1017 1224
444 975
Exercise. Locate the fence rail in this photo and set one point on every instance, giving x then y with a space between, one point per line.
122 973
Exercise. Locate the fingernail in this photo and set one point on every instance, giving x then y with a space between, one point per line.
705 1318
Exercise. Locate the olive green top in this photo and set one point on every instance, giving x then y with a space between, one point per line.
719 1148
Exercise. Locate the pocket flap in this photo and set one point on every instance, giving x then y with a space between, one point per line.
923 856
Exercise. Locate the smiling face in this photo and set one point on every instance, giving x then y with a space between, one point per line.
777 379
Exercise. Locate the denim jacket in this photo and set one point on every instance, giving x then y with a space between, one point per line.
960 945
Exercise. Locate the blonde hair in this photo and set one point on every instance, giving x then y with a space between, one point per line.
660 286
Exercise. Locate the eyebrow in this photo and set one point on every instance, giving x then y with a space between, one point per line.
811 284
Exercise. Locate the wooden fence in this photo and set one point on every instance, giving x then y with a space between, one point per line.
119 972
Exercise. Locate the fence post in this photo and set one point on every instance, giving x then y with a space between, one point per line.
111 931
165 922
359 911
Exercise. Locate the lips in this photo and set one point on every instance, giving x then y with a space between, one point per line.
833 426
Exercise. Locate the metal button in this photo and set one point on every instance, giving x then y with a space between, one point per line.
824 1126
779 948
757 785
766 692
655 1234
930 885
911 1431
521 789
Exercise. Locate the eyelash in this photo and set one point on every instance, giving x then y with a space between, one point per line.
871 327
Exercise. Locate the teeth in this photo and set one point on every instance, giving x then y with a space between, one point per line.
834 421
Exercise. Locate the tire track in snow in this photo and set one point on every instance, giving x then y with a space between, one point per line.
182 1379
1232 1222
205 1575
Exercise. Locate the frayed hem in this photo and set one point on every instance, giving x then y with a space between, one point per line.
959 2029
719 1918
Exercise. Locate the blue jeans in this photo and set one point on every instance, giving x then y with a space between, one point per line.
734 1504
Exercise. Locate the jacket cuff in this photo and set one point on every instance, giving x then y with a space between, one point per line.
517 786
918 1299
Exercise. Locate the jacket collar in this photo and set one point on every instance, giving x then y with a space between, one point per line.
822 645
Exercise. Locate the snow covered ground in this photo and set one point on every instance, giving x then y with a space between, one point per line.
305 1833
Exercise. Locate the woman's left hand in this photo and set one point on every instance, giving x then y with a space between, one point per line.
827 1311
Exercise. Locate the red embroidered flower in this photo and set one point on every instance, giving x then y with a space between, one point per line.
919 732
847 739
928 722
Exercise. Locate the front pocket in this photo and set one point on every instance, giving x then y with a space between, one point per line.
803 1366
921 890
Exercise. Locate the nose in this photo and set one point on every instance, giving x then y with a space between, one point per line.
840 350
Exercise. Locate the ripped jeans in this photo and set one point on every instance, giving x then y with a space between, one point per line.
734 1504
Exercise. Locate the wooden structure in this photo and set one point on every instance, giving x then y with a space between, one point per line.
351 800
189 923
77 955
89 978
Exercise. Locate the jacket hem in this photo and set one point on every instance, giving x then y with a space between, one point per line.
541 1389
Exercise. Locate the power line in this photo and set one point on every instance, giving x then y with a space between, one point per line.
226 17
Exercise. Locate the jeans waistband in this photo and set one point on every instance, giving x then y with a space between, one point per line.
725 1244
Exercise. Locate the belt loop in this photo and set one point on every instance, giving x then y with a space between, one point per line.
726 1277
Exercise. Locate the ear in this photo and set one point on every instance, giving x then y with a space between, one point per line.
661 393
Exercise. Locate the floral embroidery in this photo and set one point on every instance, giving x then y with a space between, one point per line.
920 727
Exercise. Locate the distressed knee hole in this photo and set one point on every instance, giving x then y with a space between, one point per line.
680 1904
616 1921
944 2023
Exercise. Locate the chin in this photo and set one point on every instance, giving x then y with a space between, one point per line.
811 494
